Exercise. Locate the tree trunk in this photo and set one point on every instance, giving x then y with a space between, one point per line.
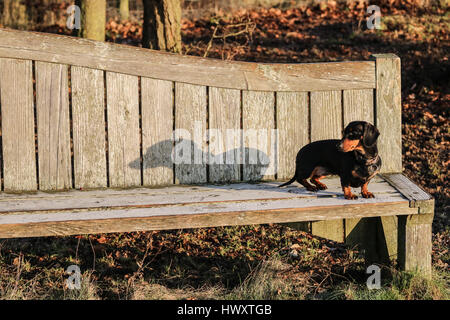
93 19
27 14
15 14
124 10
162 25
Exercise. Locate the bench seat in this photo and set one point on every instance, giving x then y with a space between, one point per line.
176 207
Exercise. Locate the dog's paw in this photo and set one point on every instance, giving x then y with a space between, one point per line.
350 196
312 189
367 195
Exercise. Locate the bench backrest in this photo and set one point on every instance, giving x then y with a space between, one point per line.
77 113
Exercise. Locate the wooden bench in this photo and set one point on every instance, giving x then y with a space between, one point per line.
98 137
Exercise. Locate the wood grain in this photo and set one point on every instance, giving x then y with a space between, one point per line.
389 111
224 135
326 115
157 132
123 129
293 130
326 123
89 136
329 229
409 189
190 117
258 122
358 106
179 195
53 127
180 68
415 246
141 219
17 107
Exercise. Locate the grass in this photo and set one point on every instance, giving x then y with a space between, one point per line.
404 286
249 262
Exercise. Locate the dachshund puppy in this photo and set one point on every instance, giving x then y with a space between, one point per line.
354 159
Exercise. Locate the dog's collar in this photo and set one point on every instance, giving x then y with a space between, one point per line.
372 160
363 160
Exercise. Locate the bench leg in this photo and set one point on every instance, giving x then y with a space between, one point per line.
414 242
375 237
405 238
328 229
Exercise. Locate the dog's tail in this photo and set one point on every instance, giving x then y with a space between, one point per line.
287 183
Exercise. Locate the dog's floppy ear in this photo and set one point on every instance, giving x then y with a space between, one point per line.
371 134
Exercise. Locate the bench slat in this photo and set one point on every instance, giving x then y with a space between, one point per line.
17 108
389 111
358 106
188 69
409 189
192 216
190 118
292 120
157 132
225 142
326 123
173 195
326 115
89 129
123 129
53 126
258 121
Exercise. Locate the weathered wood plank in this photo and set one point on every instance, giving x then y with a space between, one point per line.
377 183
157 132
389 111
53 126
89 132
362 234
409 189
293 130
17 107
415 244
224 135
326 115
123 129
180 195
141 219
190 141
258 124
326 123
375 237
188 69
388 238
358 106
329 229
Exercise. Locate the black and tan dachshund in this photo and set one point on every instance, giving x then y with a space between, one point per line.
354 159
